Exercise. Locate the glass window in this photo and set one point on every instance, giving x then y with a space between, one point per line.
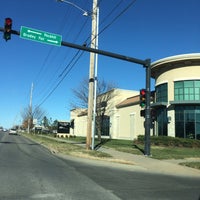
197 84
161 93
187 90
179 84
162 121
188 84
187 121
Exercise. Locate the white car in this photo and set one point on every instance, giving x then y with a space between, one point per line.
13 131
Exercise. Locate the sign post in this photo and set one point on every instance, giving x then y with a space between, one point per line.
40 36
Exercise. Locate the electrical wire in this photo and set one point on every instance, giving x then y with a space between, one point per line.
80 56
111 12
119 15
60 80
39 74
46 59
68 68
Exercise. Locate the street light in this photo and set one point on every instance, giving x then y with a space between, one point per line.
85 13
92 72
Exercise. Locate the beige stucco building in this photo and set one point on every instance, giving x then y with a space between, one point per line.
117 122
176 102
130 123
177 89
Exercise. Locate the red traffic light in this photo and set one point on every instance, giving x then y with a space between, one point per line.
7 28
8 21
142 92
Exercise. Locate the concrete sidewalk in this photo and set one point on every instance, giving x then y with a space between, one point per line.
149 164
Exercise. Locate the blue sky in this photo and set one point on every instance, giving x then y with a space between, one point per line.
148 29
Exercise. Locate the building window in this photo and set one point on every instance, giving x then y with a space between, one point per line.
161 93
161 121
187 120
187 90
102 125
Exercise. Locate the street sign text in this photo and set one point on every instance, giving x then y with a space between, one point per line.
40 36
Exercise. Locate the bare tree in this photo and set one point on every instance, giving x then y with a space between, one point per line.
104 94
80 95
81 92
28 114
103 104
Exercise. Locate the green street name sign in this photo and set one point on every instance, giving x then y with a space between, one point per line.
40 36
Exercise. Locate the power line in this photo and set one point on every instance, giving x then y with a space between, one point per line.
74 57
50 52
111 12
70 67
119 15
60 81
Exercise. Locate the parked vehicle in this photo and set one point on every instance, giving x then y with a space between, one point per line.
13 131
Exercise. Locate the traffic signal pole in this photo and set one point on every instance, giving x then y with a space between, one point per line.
145 63
148 110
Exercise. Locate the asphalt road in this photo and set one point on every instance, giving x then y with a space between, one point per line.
29 171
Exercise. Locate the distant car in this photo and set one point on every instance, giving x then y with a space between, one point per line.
12 131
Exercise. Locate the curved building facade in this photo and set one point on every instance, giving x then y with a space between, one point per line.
177 99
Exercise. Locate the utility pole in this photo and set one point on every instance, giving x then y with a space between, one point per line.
91 76
30 108
92 71
96 80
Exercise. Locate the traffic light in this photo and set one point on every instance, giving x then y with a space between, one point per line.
142 113
7 29
153 114
142 98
